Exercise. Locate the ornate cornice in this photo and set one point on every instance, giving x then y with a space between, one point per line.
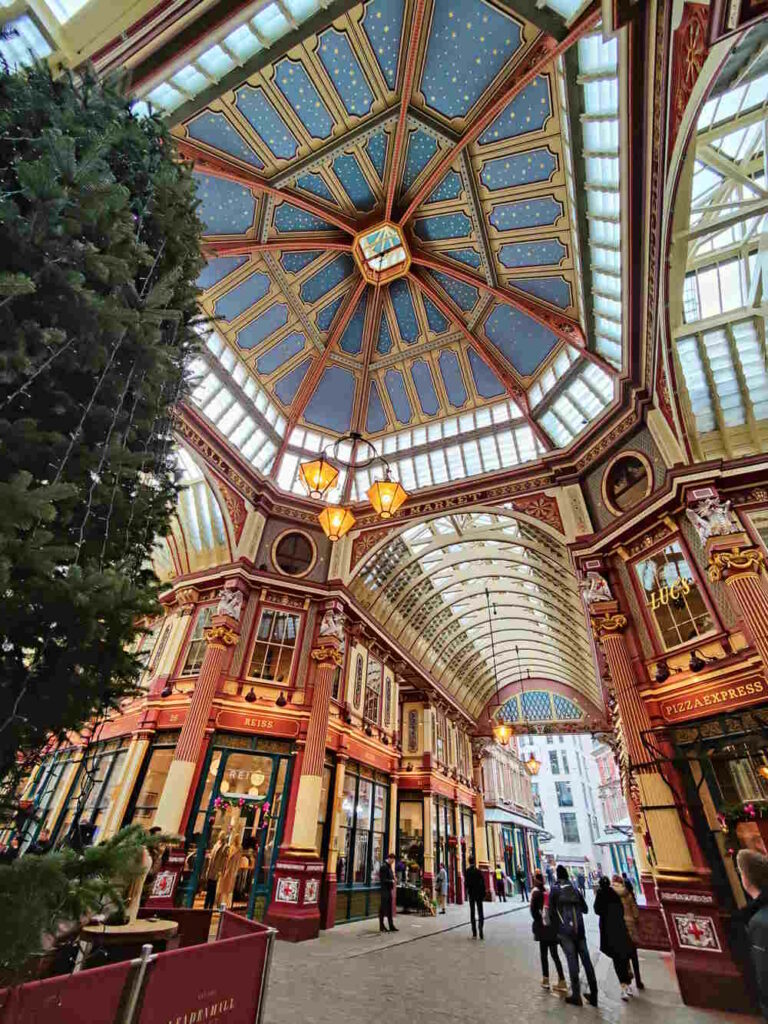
609 624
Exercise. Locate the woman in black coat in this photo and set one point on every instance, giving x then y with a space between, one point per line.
614 937
546 936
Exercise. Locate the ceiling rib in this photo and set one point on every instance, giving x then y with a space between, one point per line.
240 247
221 167
414 45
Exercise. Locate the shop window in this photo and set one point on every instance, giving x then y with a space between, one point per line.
148 797
362 828
570 827
672 596
553 762
357 694
410 839
197 642
564 794
98 781
324 809
51 777
336 684
275 645
372 691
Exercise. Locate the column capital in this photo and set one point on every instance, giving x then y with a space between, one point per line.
612 624
327 654
221 635
734 563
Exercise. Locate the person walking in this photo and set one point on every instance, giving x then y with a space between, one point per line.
522 882
614 937
581 881
566 908
500 883
632 921
550 876
545 933
441 885
475 886
753 868
386 898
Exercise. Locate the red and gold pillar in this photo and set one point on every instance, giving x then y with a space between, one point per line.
481 840
741 567
698 936
295 905
221 637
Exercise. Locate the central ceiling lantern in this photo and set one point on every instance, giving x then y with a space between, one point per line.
381 253
320 475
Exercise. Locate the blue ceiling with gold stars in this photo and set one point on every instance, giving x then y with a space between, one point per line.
303 156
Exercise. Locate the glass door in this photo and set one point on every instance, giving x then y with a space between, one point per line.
237 830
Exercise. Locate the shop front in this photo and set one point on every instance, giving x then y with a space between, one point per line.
363 841
236 825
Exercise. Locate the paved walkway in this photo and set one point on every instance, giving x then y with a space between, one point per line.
432 972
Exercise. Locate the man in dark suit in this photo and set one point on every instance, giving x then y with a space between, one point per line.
475 885
387 880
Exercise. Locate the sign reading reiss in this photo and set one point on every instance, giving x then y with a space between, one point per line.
712 698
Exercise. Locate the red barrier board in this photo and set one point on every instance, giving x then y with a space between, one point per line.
89 997
218 982
234 925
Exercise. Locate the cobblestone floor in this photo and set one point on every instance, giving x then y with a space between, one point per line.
432 972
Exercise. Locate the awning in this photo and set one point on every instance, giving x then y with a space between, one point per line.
495 815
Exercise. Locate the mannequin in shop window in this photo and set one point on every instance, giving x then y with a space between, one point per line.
217 858
228 876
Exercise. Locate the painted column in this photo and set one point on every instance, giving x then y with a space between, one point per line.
481 841
429 850
221 637
742 569
698 934
295 905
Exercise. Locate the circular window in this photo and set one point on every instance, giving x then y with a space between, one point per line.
294 553
627 480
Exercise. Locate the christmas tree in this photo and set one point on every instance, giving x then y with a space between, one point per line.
99 252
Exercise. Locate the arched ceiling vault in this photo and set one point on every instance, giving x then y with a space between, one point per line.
427 588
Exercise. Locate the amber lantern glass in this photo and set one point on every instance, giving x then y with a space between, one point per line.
502 733
318 476
386 496
336 521
532 765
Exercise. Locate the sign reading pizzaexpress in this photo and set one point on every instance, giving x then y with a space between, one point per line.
713 698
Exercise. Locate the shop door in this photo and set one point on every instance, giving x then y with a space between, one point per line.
239 824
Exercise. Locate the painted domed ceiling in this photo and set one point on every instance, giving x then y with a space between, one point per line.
395 246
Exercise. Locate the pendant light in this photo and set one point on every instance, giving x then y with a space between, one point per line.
532 763
502 732
320 476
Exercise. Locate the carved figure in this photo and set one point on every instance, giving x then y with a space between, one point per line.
595 588
713 518
332 624
230 603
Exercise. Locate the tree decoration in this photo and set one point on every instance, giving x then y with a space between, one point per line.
99 253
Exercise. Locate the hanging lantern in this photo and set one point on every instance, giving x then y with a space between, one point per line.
502 733
532 765
318 476
336 521
386 496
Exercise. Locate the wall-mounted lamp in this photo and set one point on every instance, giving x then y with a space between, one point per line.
661 674
281 701
697 662
251 696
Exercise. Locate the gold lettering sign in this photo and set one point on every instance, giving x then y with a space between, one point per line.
678 589
713 698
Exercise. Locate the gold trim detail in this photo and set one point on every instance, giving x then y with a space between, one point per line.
611 624
736 562
221 636
328 655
